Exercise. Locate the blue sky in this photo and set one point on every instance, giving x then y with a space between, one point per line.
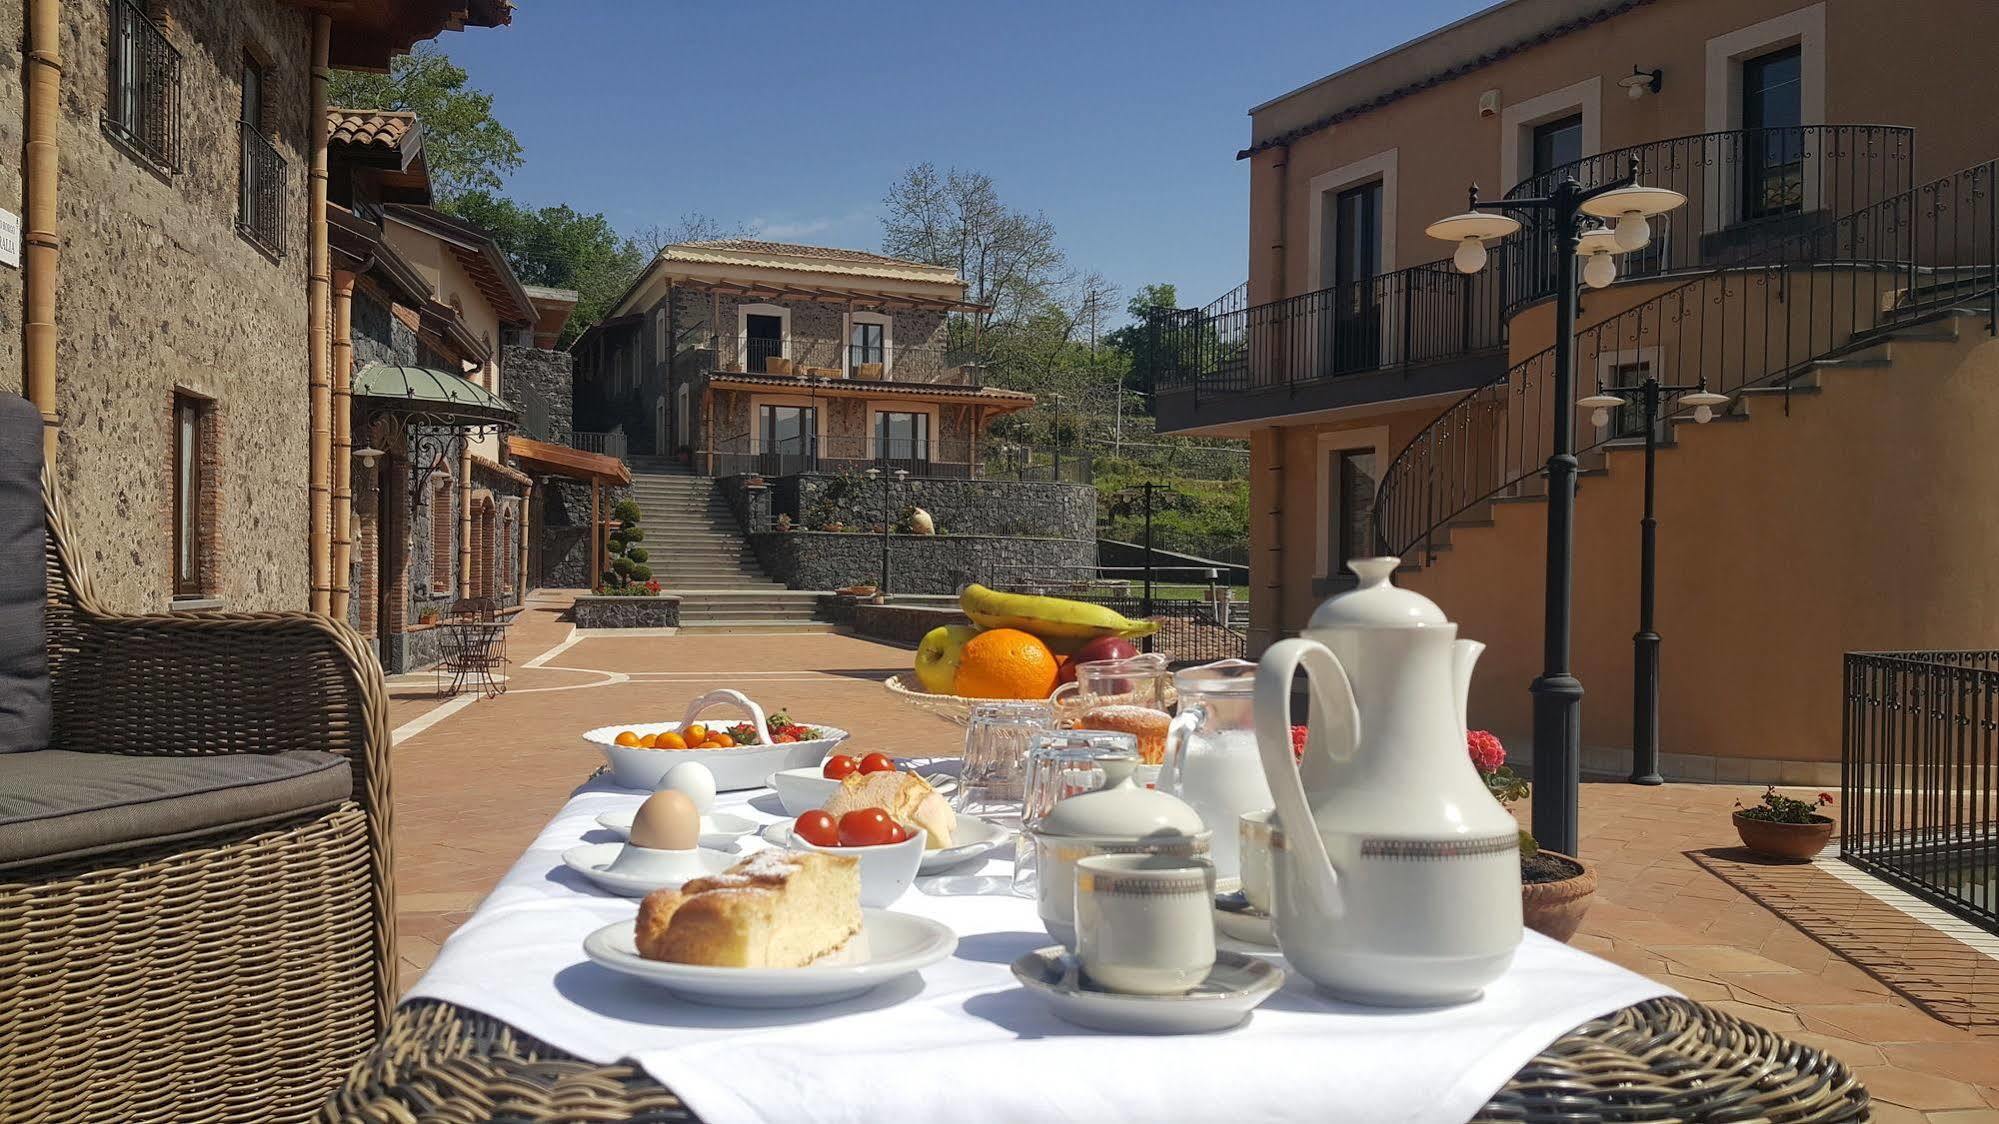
1120 121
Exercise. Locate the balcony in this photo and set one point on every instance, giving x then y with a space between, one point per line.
953 458
143 109
260 196
1429 330
827 357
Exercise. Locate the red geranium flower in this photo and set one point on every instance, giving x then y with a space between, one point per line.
1486 752
1298 742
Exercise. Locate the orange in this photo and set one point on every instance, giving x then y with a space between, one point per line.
722 741
649 741
627 738
1005 663
695 734
670 740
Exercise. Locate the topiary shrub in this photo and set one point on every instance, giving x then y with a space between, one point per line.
626 571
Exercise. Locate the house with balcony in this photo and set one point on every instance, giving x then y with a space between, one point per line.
739 356
1830 271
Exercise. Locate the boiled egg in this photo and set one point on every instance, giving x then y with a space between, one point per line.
693 780
667 821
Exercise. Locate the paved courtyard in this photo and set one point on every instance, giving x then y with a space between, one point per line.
1915 1012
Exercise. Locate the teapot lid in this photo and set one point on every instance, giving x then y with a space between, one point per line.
1375 603
1122 810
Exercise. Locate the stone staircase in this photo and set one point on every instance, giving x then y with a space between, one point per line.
697 552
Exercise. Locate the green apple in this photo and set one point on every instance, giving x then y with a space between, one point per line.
937 656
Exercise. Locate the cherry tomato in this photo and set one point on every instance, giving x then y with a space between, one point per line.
817 828
897 833
865 827
839 767
877 763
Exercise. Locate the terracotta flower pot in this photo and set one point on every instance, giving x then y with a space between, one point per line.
1556 909
1795 841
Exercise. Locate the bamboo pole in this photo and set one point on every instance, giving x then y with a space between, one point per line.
318 283
522 528
343 441
44 110
465 519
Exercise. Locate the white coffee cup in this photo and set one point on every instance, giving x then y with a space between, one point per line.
1254 832
1145 923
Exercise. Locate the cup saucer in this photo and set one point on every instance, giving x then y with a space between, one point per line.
1237 919
1235 986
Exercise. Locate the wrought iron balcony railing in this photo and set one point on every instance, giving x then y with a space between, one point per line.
922 458
143 108
260 196
806 355
1748 191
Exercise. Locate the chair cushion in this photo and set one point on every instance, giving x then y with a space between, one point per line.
60 804
24 663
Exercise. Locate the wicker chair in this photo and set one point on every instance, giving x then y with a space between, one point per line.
234 969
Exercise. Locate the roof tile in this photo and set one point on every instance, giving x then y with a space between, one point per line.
378 127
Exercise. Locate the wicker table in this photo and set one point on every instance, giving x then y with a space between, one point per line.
1663 1060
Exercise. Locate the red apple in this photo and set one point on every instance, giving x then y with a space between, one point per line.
1103 648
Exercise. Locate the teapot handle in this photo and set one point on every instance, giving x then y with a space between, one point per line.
1335 730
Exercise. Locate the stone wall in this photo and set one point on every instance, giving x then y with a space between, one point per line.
969 507
551 375
917 563
159 293
660 611
381 338
901 624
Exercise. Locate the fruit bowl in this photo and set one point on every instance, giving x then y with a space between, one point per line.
737 768
952 708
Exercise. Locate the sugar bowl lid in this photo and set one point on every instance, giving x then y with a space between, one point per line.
1376 603
1122 811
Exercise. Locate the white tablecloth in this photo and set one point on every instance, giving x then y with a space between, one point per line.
967 1044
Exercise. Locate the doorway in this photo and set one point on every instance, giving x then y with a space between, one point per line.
1773 180
787 439
1356 343
763 340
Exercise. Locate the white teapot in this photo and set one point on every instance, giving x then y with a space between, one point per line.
1396 874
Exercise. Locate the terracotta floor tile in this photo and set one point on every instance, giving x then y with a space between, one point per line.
1968 1059
1884 1113
1965 1116
1791 988
1719 958
1880 1023
1854 1054
1920 1091
1783 1022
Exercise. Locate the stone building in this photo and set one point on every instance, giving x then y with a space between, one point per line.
159 306
741 356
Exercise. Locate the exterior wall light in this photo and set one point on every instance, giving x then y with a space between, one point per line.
1598 248
1471 231
1600 405
367 454
1641 82
1703 402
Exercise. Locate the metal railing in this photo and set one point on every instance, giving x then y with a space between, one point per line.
929 458
1747 190
1919 775
260 196
830 358
144 104
1199 621
1814 295
532 401
1424 314
610 444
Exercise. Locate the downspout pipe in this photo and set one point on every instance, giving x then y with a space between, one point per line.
343 442
318 287
40 243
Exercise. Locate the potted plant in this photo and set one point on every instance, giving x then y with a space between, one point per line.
1555 889
427 617
1781 827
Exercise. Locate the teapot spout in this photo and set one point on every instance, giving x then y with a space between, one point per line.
1464 657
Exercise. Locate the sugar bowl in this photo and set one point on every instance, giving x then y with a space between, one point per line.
1120 819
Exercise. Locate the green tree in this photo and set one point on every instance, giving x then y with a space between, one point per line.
561 247
465 147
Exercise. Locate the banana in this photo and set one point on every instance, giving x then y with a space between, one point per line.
1062 624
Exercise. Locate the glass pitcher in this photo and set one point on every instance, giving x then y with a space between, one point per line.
1211 756
1134 696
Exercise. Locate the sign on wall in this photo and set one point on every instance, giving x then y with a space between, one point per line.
10 239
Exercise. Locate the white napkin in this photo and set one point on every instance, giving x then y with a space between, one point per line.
965 1035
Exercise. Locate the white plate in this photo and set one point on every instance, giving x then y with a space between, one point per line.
1235 917
975 837
1237 985
897 944
718 830
593 861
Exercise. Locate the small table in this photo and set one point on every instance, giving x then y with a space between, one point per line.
477 658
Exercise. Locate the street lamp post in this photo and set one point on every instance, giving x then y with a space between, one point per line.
1651 395
1558 694
875 473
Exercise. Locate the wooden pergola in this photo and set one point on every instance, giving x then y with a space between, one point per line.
575 464
829 294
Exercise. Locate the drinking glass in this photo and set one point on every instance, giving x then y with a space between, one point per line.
1061 764
1134 695
993 778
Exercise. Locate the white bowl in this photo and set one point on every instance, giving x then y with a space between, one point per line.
886 870
971 838
735 769
890 946
803 789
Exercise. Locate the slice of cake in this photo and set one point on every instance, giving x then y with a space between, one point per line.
775 909
906 797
